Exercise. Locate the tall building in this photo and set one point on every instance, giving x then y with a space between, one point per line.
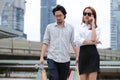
12 17
46 15
115 24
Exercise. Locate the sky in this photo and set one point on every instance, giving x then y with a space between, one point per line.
74 10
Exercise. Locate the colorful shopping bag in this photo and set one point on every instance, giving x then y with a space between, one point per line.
74 75
41 74
38 74
44 76
71 75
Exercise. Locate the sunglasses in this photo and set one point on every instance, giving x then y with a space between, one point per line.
89 14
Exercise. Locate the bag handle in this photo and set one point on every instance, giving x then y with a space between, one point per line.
39 66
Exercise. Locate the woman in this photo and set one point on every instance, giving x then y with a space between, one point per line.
86 39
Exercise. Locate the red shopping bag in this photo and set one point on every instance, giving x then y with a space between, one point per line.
71 75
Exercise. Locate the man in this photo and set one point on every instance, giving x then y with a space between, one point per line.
56 42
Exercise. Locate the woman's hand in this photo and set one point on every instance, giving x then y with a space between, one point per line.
92 20
98 42
76 60
92 42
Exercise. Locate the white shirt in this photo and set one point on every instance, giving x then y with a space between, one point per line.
83 33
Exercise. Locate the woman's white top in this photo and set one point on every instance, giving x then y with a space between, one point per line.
83 33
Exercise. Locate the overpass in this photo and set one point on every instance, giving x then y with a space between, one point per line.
23 55
15 47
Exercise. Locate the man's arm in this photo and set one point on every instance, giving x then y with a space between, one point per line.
76 50
43 51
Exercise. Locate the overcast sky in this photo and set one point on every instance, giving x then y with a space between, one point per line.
74 15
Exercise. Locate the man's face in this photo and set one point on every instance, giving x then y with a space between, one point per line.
59 16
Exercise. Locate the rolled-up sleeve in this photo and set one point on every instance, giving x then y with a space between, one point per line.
79 39
46 38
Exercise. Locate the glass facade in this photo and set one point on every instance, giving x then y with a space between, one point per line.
46 15
5 15
115 24
12 14
18 19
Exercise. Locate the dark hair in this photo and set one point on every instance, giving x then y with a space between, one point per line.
59 8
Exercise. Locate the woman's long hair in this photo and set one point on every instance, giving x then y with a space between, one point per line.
93 12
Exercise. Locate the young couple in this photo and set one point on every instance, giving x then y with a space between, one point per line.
57 40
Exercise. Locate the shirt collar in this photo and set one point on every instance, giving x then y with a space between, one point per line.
55 24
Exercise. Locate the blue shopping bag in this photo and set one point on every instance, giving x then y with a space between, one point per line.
38 74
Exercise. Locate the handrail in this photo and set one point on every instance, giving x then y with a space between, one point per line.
30 65
34 66
33 62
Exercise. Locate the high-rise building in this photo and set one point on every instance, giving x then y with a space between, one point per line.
12 16
46 15
115 24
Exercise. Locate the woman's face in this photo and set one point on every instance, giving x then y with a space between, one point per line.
87 15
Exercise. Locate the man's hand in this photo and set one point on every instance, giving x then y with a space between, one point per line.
41 62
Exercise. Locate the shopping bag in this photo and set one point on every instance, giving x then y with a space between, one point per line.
41 74
71 75
44 76
74 75
77 74
38 74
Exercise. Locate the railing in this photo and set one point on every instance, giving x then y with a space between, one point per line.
24 48
106 67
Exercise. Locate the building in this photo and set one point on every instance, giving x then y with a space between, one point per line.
46 15
12 18
115 24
